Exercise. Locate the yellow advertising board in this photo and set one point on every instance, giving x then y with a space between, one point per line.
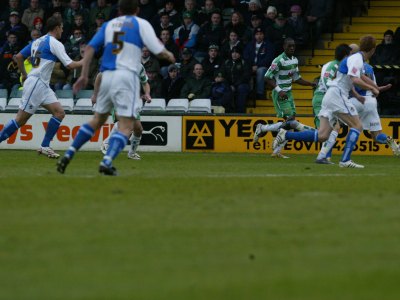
235 134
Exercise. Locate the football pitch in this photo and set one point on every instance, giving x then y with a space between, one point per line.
194 226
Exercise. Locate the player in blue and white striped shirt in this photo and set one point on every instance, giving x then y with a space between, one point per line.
44 53
123 39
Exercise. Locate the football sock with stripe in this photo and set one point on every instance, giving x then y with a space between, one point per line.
351 141
8 130
305 136
84 135
117 143
51 131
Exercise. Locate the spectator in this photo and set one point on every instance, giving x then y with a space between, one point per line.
212 33
254 8
35 34
190 7
38 24
227 46
56 5
169 44
75 73
221 93
100 19
300 27
9 75
13 5
147 10
185 36
259 54
205 13
33 11
173 14
154 81
281 5
164 23
74 8
256 22
172 85
238 73
213 62
72 46
386 53
149 61
16 27
278 32
58 77
101 7
269 16
318 14
236 23
197 86
187 63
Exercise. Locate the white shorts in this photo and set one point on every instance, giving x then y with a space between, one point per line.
368 113
335 103
35 94
119 89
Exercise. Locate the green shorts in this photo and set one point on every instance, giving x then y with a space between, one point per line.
284 108
316 104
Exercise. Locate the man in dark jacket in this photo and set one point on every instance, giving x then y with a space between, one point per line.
237 72
197 86
172 84
259 53
279 31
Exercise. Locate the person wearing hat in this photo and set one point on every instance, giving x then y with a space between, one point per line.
190 7
221 94
15 26
259 54
211 33
269 16
253 8
279 31
238 74
101 9
300 26
34 10
13 5
171 85
9 75
185 36
100 19
187 63
213 62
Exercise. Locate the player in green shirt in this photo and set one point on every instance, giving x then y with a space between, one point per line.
281 74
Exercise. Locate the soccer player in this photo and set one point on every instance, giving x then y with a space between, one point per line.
44 53
280 75
123 39
136 135
336 104
328 73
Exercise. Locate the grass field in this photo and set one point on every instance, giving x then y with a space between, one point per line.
199 226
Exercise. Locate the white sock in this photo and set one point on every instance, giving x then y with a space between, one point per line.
327 146
135 142
271 127
279 148
302 127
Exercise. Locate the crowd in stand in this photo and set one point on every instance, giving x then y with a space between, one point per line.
223 47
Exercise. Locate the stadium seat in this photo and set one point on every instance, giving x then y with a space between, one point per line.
156 104
13 104
200 106
178 105
66 98
83 105
84 94
3 99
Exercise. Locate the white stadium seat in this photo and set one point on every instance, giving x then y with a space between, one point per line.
67 104
84 105
13 104
178 105
200 106
156 104
3 103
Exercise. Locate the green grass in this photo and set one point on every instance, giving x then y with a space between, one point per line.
199 226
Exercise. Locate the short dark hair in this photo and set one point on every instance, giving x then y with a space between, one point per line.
53 22
342 51
367 43
128 7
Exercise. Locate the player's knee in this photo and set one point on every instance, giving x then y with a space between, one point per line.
59 114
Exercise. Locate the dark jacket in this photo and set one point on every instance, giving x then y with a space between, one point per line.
237 72
265 54
172 89
201 88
